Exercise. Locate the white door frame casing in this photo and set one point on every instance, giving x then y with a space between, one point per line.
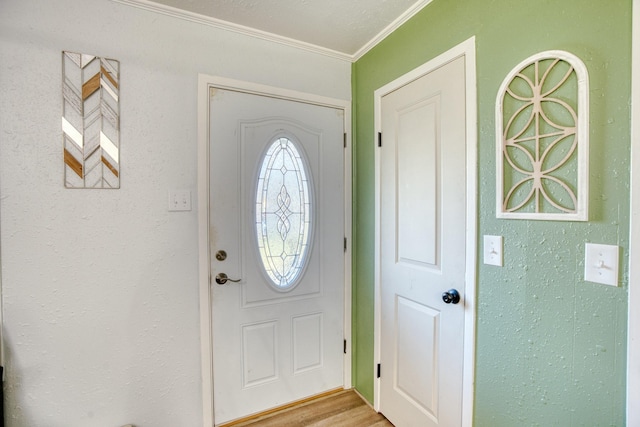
633 316
205 84
465 49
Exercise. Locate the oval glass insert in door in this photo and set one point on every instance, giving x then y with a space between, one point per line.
283 214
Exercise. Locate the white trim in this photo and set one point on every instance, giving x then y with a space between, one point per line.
399 21
206 82
466 49
236 28
582 135
264 35
633 316
204 255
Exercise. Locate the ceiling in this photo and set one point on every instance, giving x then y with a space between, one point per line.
344 28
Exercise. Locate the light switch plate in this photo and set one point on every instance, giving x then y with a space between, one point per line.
179 200
601 264
493 250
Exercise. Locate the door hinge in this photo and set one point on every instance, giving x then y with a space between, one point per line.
344 347
378 370
379 139
345 140
345 244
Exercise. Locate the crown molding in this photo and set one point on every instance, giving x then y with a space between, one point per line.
236 28
408 14
264 35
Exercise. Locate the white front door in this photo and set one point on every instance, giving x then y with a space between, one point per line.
422 249
277 226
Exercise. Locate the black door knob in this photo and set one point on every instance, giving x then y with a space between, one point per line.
451 297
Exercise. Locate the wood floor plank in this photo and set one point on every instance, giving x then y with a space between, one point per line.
360 416
342 409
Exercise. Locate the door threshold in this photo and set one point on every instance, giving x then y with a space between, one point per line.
284 407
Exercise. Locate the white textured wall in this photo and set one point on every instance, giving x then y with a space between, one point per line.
100 286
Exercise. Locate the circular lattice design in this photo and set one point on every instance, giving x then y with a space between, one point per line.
541 139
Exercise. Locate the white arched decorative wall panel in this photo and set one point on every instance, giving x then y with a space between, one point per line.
542 139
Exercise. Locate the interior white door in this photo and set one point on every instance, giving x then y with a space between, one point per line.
277 226
422 249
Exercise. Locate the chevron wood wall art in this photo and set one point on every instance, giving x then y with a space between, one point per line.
90 121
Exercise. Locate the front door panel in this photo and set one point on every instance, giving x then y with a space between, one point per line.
277 211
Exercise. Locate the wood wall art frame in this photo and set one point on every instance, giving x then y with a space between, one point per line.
542 139
90 121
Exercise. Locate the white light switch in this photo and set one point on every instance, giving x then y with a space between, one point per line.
601 264
179 200
493 250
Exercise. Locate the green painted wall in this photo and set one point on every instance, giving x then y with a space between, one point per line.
551 348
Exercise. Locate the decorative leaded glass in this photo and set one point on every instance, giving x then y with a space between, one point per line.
283 214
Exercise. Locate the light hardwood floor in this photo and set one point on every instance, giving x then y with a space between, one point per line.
342 409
